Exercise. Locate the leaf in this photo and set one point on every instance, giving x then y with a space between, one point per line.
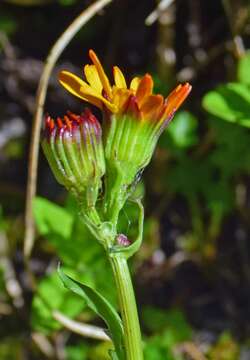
51 295
74 244
230 102
243 71
173 321
51 218
97 303
77 352
8 24
172 328
182 129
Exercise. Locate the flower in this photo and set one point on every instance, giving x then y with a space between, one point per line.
119 98
73 147
134 118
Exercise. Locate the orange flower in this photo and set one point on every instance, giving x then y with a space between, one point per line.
134 118
119 98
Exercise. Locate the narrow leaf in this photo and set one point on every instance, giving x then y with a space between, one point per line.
97 303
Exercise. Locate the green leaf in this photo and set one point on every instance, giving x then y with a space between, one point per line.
173 321
230 102
51 218
183 129
51 295
172 328
8 24
77 352
97 303
74 244
243 71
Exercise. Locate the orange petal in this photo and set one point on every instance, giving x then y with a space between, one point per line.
145 87
176 97
92 77
152 106
135 83
119 78
103 77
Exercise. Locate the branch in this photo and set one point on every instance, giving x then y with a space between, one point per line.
51 60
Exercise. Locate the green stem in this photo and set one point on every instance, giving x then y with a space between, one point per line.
132 333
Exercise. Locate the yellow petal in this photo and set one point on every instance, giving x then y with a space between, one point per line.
75 86
103 77
119 78
81 89
135 83
120 97
93 77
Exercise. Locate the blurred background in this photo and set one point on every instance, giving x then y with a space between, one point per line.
192 274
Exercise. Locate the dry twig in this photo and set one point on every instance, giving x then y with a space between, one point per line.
85 330
154 15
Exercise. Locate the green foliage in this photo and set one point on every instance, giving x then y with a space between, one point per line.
170 327
96 302
182 132
10 348
78 352
79 252
157 320
226 348
243 72
50 217
230 102
52 296
8 24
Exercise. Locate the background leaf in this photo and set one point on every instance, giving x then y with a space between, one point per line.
243 70
230 102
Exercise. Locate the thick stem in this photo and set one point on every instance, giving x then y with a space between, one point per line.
132 333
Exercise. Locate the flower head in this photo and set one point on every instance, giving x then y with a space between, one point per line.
73 147
137 98
134 118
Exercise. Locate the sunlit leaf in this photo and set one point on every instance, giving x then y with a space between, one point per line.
51 295
243 71
97 303
51 218
183 129
230 102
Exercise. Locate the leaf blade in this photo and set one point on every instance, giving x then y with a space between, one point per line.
97 303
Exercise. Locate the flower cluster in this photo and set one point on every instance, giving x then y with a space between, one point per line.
80 153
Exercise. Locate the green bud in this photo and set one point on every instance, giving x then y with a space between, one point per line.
73 147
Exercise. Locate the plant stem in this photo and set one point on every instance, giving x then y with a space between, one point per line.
126 297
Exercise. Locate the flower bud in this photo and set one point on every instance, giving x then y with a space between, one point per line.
73 147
